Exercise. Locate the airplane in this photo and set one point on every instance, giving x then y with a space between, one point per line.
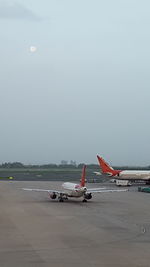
128 175
74 190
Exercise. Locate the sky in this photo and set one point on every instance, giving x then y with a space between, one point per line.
84 91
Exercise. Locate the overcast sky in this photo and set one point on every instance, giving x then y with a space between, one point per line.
84 91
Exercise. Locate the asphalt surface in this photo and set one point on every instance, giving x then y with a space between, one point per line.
112 229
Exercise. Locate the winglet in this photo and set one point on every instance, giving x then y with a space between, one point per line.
83 176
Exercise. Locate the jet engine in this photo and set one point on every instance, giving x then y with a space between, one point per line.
88 196
53 195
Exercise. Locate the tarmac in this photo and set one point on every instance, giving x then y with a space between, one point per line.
111 229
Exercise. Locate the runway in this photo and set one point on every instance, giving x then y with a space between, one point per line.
112 229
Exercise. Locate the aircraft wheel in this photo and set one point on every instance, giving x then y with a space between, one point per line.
61 200
84 200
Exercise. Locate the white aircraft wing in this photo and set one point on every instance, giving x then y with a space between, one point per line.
97 173
104 190
92 190
45 190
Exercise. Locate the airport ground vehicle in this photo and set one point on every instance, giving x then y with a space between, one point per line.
123 182
74 190
144 189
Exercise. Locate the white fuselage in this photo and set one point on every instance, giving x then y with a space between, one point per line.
135 175
74 190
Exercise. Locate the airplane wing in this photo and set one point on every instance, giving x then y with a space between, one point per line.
104 190
92 190
97 173
46 190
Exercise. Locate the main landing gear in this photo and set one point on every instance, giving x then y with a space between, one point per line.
62 197
84 200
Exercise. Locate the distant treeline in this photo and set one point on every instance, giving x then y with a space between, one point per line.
19 165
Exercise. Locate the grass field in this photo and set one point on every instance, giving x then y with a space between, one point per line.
56 174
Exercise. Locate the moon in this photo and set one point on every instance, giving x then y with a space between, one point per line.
33 49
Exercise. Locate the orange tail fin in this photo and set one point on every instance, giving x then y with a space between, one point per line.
83 176
105 167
